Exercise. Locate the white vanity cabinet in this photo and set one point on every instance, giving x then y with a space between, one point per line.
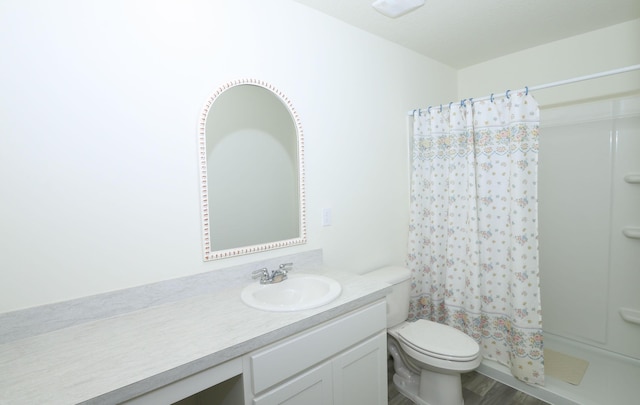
342 361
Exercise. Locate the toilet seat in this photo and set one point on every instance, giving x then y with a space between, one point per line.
439 341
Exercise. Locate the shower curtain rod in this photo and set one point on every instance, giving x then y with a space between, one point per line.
544 86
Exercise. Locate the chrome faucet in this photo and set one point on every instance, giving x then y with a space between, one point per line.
276 276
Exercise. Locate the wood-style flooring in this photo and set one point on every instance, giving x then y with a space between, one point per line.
476 390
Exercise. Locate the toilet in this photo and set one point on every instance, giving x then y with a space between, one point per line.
428 357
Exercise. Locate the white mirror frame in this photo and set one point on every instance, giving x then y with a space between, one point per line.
208 252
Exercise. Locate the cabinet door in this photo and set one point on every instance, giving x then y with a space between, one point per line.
360 373
310 388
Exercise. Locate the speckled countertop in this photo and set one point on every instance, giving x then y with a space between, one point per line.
118 358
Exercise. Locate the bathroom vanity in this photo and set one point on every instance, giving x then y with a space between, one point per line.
213 349
342 361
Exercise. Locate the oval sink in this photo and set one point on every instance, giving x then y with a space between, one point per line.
297 292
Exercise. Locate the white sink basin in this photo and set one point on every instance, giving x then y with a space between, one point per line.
299 291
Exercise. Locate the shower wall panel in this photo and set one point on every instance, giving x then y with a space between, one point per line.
589 269
624 280
574 208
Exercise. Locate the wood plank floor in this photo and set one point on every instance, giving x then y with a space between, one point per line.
476 390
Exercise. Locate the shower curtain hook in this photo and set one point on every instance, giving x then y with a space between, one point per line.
450 104
492 97
440 107
429 110
462 102
507 94
471 102
526 90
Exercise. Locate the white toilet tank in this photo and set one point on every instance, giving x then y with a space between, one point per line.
398 297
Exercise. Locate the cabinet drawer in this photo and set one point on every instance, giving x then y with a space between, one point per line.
285 359
310 388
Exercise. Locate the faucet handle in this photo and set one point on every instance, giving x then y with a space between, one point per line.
285 267
262 274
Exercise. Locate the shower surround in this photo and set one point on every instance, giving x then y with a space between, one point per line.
589 268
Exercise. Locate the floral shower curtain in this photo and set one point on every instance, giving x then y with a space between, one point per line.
473 237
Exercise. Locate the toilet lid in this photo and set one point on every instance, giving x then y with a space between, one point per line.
439 340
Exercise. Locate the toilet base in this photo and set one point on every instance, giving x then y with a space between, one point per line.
409 389
432 389
423 383
439 388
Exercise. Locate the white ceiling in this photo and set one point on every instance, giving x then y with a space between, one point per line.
461 33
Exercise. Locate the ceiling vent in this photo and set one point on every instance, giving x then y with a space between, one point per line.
396 8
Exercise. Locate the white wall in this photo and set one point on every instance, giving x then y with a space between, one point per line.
597 51
98 126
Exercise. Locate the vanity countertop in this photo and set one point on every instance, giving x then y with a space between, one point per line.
118 358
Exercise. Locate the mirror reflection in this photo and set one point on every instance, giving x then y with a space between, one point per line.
252 171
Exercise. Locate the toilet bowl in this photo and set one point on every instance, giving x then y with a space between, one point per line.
428 357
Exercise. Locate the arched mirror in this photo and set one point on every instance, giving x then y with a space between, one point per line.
252 171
